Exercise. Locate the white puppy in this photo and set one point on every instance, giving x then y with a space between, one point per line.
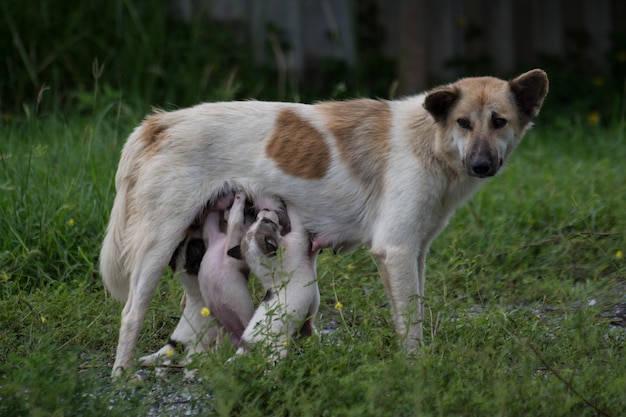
286 268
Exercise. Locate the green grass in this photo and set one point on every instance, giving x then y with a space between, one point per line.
521 292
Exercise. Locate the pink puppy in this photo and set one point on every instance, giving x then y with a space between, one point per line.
224 279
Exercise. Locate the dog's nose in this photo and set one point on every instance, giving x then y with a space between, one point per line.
482 167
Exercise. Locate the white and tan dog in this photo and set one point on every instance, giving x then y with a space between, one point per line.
388 174
285 266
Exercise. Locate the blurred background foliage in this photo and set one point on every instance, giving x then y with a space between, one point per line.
65 57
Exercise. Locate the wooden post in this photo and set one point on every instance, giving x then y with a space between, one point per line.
414 41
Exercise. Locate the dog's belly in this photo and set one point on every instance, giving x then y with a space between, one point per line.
334 215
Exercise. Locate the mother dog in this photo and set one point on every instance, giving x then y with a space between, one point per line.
388 174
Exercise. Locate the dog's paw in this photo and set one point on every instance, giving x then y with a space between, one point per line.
155 359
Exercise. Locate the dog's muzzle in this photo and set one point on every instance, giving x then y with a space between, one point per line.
482 167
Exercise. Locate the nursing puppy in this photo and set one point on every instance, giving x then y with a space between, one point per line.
224 279
285 266
212 278
388 174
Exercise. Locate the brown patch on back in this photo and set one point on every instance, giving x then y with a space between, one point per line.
297 147
362 129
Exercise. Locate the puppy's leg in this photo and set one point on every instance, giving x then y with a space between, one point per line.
235 226
289 311
256 330
267 326
293 315
308 328
270 331
194 332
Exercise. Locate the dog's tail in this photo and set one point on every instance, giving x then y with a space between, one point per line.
114 274
114 262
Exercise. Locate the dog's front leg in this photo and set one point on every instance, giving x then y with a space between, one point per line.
400 273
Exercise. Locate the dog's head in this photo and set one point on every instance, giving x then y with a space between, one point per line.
262 238
484 118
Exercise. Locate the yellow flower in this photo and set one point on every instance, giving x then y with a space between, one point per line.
350 267
42 319
598 81
70 222
621 56
339 306
205 312
169 352
462 22
619 254
4 276
593 118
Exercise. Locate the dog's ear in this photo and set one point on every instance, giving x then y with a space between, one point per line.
439 102
235 252
529 90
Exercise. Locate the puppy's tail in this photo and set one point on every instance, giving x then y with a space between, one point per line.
114 262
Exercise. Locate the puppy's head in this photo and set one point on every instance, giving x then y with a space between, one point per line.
484 118
261 239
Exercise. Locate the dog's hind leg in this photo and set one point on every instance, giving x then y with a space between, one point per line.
133 314
150 260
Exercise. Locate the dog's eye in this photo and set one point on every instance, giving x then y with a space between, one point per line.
271 246
498 122
464 123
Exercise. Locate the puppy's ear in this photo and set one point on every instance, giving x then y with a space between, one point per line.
283 219
529 90
439 102
235 252
194 254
